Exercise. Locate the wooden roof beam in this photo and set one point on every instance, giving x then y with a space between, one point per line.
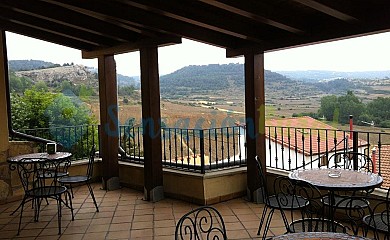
327 10
253 16
43 35
55 28
56 14
147 20
198 16
130 47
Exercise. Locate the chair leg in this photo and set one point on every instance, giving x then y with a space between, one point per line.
59 212
21 214
93 196
267 218
70 204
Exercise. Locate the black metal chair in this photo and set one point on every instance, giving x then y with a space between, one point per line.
36 189
201 223
271 201
70 181
345 160
379 218
308 215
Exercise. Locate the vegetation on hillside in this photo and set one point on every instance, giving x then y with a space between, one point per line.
339 108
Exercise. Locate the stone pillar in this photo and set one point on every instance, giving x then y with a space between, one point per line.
255 120
151 116
109 131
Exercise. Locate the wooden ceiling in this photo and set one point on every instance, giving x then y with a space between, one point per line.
115 26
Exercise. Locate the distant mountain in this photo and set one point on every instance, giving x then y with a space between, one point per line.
26 65
128 81
213 77
318 75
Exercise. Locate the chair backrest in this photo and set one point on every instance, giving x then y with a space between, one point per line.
30 172
91 162
263 180
346 160
306 208
350 210
201 223
378 218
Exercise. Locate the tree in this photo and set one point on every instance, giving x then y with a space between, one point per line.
350 105
19 84
379 108
339 109
328 106
28 110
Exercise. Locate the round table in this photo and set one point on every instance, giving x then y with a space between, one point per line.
348 179
317 236
40 157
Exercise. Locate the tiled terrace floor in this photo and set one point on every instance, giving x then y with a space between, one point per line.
125 215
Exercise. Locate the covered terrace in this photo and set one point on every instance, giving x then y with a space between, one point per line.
100 29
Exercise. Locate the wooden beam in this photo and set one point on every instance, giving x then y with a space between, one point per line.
4 142
153 22
55 28
43 35
151 116
253 16
255 120
130 47
200 16
327 10
109 132
56 14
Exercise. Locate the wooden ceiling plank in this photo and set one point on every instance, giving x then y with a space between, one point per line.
43 35
130 47
253 16
327 10
68 18
58 29
106 18
153 22
199 17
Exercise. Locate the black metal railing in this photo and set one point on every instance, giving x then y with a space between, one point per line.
75 139
202 150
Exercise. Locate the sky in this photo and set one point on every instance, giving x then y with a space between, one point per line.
369 53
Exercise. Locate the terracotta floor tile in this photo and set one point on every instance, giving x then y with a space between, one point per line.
98 228
125 215
141 233
142 225
120 227
119 235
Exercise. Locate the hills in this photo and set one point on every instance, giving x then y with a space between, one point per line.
54 74
227 80
320 75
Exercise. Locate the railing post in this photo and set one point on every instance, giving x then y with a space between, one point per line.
201 142
355 148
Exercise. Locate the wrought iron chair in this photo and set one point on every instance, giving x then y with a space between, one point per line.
345 160
201 223
351 210
304 216
35 189
271 201
69 181
379 218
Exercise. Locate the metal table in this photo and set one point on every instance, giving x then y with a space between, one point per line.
348 180
317 236
40 157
